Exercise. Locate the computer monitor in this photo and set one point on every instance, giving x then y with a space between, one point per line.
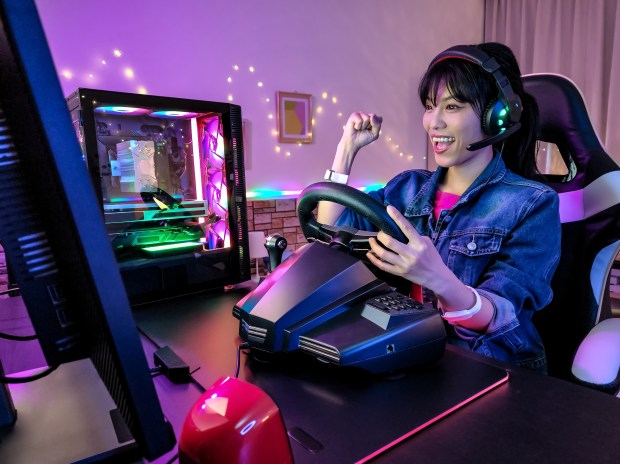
53 235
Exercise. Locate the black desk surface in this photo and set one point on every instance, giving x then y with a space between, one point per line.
531 417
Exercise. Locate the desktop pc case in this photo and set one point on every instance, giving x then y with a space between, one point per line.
169 174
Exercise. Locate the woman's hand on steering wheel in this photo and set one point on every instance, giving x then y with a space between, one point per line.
417 261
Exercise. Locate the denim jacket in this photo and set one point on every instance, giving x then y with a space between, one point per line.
502 237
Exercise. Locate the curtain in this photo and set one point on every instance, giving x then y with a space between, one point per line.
576 38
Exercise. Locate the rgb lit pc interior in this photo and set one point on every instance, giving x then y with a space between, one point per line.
169 176
162 177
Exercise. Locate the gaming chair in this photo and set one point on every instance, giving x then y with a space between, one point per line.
581 338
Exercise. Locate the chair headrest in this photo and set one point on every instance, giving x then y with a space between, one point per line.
564 121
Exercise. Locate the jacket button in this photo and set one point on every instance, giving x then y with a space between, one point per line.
447 219
471 246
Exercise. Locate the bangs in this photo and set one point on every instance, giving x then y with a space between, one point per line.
465 81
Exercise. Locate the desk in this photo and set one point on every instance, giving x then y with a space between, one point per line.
530 418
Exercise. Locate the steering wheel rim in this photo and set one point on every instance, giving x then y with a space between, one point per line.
350 197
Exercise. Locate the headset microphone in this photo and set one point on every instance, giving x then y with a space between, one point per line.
496 138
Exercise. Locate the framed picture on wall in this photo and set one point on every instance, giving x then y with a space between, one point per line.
294 117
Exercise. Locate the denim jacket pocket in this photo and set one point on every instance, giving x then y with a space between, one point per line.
471 251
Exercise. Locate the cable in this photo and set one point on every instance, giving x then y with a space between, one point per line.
243 346
30 378
17 338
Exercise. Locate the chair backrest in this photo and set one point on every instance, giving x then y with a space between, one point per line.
590 214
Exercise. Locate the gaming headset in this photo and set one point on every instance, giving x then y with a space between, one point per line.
500 119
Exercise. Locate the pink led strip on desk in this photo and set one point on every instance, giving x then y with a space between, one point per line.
432 421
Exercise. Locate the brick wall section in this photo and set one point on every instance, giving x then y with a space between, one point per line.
276 216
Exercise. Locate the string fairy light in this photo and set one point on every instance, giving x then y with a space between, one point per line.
249 77
320 113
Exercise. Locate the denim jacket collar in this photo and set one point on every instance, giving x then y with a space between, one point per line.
422 203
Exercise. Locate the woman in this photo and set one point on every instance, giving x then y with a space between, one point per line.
483 236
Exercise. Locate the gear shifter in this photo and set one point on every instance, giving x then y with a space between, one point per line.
275 245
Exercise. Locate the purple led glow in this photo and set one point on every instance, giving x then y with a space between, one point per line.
217 180
214 181
220 232
172 114
212 126
128 110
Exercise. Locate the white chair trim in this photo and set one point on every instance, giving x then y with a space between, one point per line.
598 358
601 267
600 194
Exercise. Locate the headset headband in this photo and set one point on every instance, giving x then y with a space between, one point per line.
474 55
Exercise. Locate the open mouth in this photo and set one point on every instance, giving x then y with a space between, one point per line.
441 144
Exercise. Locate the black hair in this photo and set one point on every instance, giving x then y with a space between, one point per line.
468 82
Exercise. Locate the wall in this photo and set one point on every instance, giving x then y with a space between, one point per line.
368 55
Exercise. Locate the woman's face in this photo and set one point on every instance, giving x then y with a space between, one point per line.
452 126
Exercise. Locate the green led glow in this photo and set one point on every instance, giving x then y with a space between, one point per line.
172 246
500 122
139 199
503 112
370 188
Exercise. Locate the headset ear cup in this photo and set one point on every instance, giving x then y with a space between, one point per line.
495 118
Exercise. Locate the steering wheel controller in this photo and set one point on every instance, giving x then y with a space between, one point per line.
348 238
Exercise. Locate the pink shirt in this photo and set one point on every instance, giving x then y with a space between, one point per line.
443 201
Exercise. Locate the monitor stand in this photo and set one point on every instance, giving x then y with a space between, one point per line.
66 417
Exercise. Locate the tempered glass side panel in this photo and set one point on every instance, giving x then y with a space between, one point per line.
162 180
161 168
